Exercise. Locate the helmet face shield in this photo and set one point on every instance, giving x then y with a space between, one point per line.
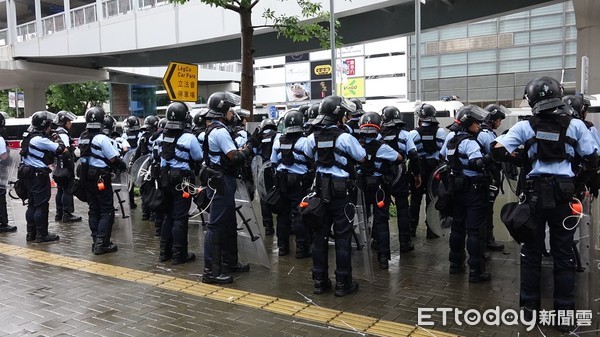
348 106
478 113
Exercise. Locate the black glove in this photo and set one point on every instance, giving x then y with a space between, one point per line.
253 142
119 165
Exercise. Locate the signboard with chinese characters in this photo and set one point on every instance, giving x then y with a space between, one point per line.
320 70
181 81
320 89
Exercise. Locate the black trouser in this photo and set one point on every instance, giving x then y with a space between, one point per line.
470 210
38 194
219 245
400 193
174 228
416 194
101 213
381 217
64 197
561 247
290 216
3 210
338 213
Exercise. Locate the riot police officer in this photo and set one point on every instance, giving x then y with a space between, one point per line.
145 147
4 162
399 140
267 131
311 114
469 193
549 188
293 182
579 105
109 129
178 150
353 118
376 177
131 131
64 172
334 152
98 158
429 138
37 152
496 113
221 154
240 116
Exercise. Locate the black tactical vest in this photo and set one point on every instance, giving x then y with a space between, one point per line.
551 137
225 163
47 157
369 166
287 148
453 154
325 140
132 137
428 138
266 145
170 143
390 136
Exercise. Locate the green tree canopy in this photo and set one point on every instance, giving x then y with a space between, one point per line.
76 97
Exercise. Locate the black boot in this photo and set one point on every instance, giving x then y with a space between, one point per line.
69 217
284 250
181 255
49 237
431 234
166 251
58 216
383 261
103 247
236 268
302 250
457 268
7 228
495 246
413 229
30 233
269 230
478 275
345 287
406 245
321 286
207 277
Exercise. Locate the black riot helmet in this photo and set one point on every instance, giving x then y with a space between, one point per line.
333 108
220 102
162 123
543 94
578 104
370 123
304 110
2 121
293 121
108 124
132 123
198 120
391 116
94 117
42 119
176 115
150 123
62 117
313 112
495 112
466 116
267 124
188 122
359 108
426 113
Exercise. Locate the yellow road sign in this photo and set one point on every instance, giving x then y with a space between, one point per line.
181 81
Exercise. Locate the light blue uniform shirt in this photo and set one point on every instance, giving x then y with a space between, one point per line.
201 136
107 150
468 147
2 146
440 137
219 140
64 137
296 168
150 141
188 141
405 143
346 143
522 131
485 138
385 152
241 138
596 136
42 143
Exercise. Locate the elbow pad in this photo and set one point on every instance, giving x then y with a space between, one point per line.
590 162
476 164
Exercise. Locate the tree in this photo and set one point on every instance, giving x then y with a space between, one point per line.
286 26
76 97
4 106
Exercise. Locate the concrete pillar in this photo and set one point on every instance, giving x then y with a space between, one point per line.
35 98
11 21
99 15
67 11
38 18
588 30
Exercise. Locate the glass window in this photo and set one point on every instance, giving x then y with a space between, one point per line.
515 16
571 47
514 66
547 35
571 61
485 28
570 19
558 8
429 73
546 63
570 33
514 53
548 21
429 61
521 38
514 25
453 71
448 33
429 36
482 68
460 58
482 56
569 7
547 50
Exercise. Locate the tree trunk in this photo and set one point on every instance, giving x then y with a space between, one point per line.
247 85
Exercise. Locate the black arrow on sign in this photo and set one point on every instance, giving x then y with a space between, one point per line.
169 86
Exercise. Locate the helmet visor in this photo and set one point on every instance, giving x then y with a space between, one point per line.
478 113
348 106
232 99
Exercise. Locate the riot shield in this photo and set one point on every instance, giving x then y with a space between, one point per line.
250 244
140 170
439 225
399 170
127 158
255 167
265 180
6 169
582 237
122 232
361 249
14 205
434 180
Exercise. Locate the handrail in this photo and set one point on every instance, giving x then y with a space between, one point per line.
83 15
26 31
144 4
4 37
53 23
111 8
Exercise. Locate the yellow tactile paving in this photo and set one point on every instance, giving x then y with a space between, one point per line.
339 319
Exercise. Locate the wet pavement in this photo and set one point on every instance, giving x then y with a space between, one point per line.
63 289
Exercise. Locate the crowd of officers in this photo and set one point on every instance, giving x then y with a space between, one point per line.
331 151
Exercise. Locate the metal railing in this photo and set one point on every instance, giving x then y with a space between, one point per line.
52 24
83 15
4 37
26 31
111 8
143 4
